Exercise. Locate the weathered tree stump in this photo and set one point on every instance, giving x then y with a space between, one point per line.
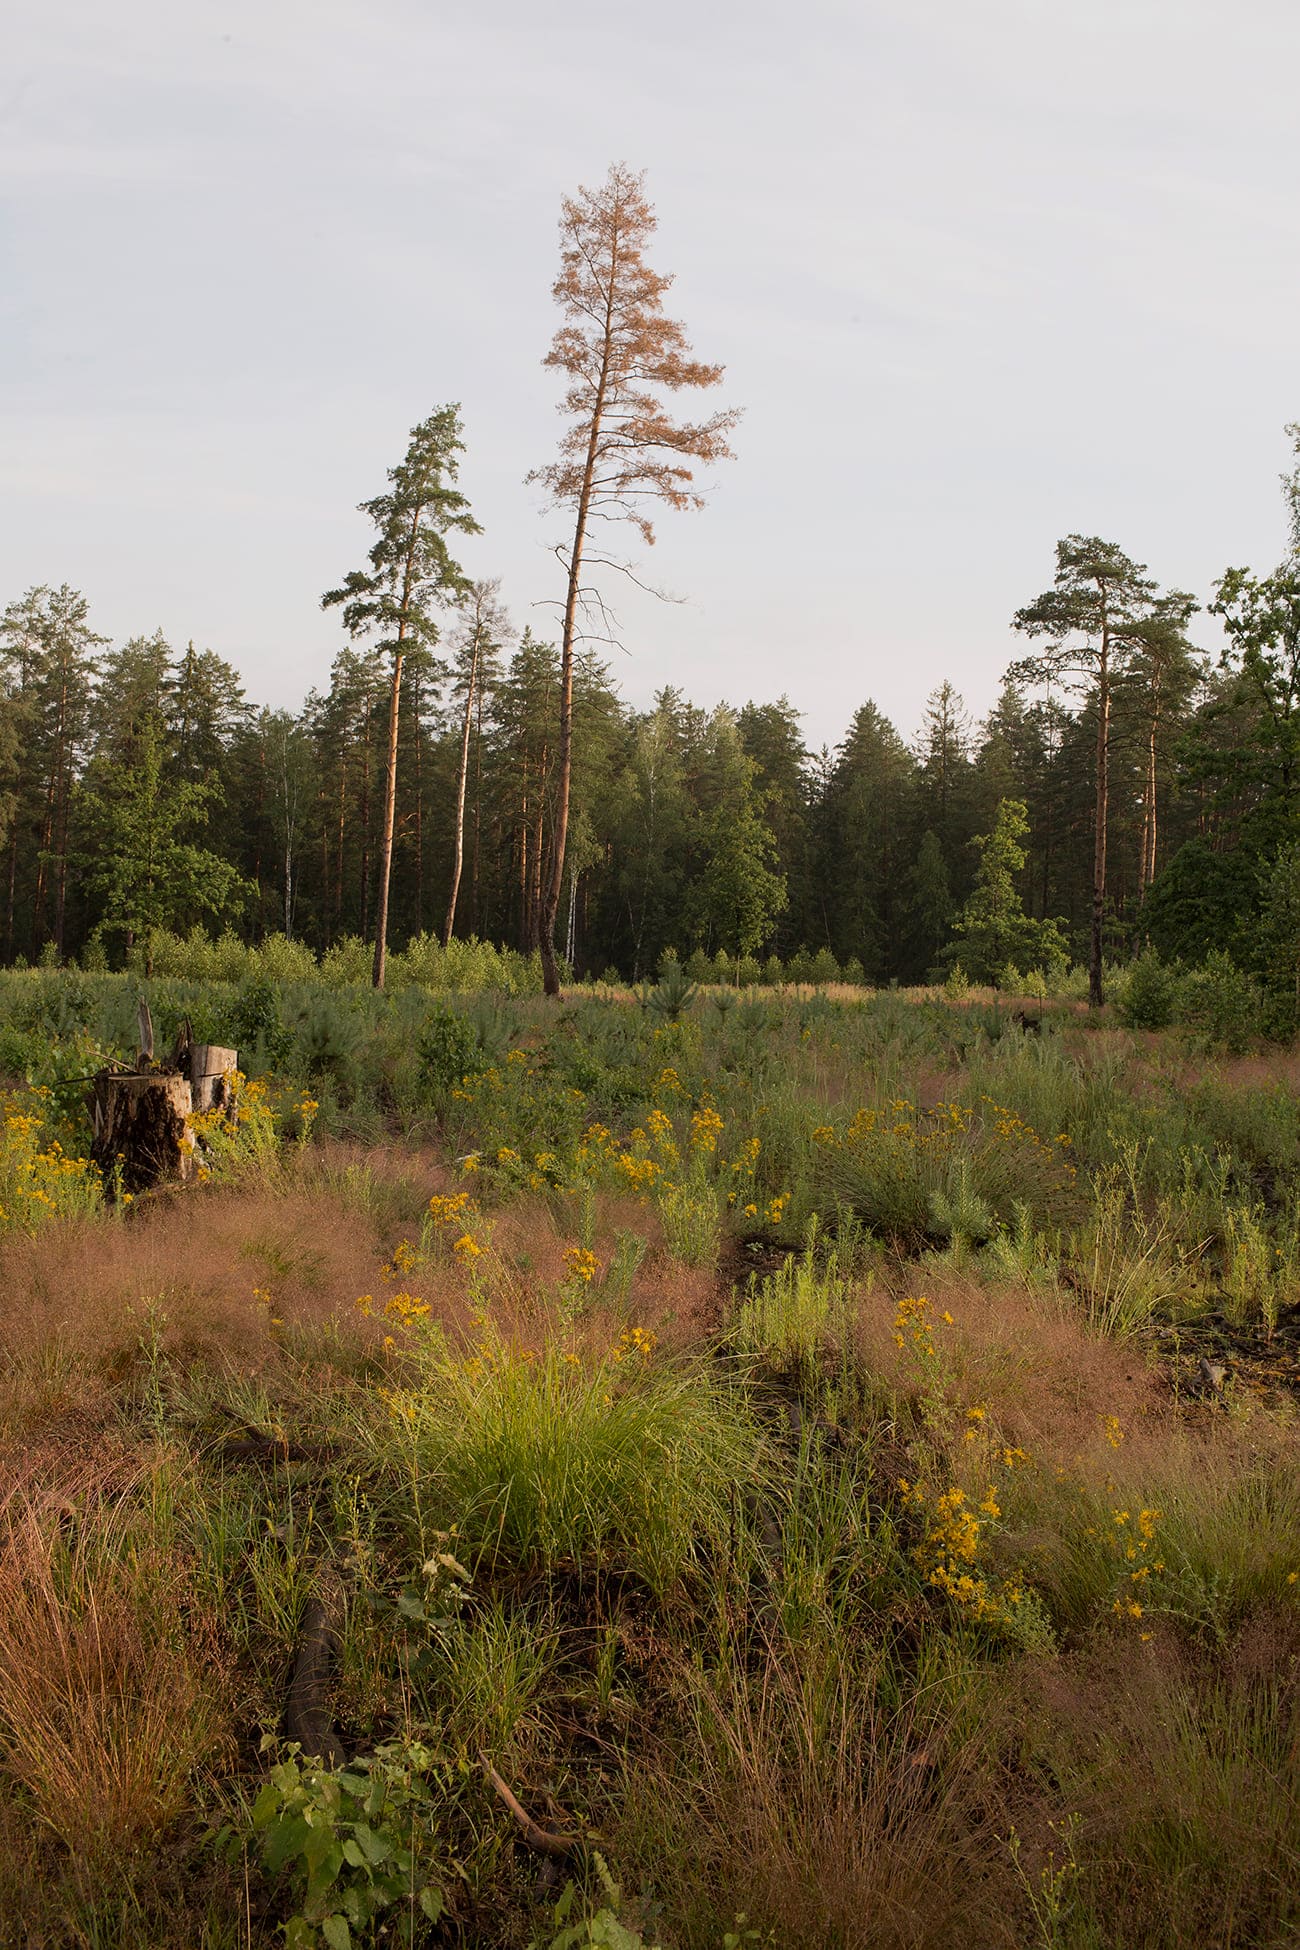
142 1118
211 1070
141 1123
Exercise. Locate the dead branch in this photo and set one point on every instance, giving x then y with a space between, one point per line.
544 1840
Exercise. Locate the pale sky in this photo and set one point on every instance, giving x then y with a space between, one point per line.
982 272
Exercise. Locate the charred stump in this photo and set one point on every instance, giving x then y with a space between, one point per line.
142 1128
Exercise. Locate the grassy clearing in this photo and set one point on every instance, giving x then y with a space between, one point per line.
834 1461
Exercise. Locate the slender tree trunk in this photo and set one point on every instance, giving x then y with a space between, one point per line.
462 780
13 886
365 823
524 830
61 886
555 880
475 915
386 841
390 781
342 829
419 804
1095 994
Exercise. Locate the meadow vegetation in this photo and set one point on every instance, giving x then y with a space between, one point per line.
829 1456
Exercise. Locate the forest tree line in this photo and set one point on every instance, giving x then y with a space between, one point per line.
140 788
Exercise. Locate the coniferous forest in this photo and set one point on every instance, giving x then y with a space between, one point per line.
145 790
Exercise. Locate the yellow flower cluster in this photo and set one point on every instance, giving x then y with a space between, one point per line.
1136 1545
912 1324
635 1340
706 1128
581 1265
406 1308
451 1208
949 1548
39 1182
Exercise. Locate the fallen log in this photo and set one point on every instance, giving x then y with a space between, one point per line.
306 1709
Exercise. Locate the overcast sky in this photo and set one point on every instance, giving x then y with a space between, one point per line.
981 275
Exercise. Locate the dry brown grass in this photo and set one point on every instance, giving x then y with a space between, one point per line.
1182 1765
838 1820
111 1694
1024 1355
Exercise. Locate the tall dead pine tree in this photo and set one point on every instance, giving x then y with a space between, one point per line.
621 453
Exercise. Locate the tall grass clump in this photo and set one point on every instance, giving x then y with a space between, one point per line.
109 1695
1132 1266
562 1460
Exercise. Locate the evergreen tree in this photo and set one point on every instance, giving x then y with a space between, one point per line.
1090 621
411 575
993 929
865 822
622 453
49 657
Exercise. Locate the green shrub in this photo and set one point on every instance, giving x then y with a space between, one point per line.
450 1051
355 1842
789 1316
1148 995
1221 1005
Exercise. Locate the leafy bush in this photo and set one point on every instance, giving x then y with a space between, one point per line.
1220 1004
1149 993
355 1842
449 1051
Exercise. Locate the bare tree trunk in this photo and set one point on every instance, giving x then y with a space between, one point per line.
386 842
419 804
462 780
555 882
365 824
1095 994
342 829
474 910
13 883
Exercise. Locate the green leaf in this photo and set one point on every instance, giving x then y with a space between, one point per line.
288 1837
378 1848
431 1903
336 1933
